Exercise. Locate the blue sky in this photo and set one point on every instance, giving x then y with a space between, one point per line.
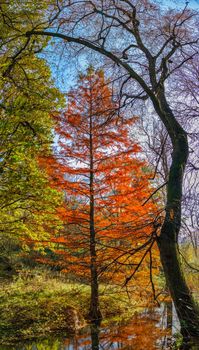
180 3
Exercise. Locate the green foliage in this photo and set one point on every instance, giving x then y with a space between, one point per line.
28 97
15 19
9 256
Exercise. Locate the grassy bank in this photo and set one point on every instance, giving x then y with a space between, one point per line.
32 307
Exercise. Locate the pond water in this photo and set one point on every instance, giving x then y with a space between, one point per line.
150 330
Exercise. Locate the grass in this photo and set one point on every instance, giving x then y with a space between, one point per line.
32 307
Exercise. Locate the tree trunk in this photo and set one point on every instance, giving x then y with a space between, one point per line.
94 337
186 308
94 313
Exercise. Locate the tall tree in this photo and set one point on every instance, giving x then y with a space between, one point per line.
105 185
27 99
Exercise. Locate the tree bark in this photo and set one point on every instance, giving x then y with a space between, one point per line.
94 313
185 305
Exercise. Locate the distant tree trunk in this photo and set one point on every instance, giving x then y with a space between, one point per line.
94 313
186 308
169 315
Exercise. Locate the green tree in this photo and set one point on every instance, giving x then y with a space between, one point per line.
28 97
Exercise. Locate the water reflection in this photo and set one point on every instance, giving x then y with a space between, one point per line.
142 332
95 331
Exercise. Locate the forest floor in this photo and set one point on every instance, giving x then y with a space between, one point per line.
32 307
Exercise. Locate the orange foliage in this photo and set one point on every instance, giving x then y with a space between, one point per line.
91 128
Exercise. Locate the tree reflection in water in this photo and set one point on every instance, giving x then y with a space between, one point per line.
151 331
140 333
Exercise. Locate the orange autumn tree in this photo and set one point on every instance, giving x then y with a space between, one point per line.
97 165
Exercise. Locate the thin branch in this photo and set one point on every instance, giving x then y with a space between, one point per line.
157 189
